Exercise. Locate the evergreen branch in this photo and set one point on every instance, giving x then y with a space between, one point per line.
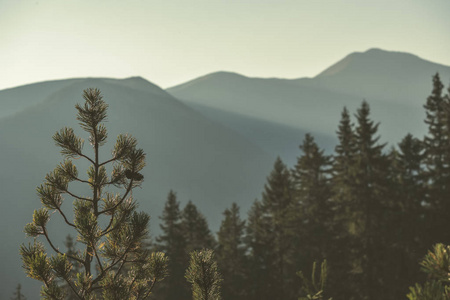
151 288
130 185
98 258
124 261
44 231
108 161
65 218
109 225
82 181
112 265
86 157
73 289
77 197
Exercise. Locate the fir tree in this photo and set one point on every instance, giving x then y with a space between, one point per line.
18 294
112 245
173 243
195 229
231 254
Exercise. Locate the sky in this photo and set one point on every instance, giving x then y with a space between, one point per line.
172 41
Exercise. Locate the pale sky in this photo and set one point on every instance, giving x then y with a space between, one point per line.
171 41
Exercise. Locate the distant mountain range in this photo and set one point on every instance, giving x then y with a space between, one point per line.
395 85
201 160
213 139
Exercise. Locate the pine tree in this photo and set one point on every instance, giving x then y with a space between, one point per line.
112 245
173 243
231 254
314 287
195 229
18 294
204 276
437 265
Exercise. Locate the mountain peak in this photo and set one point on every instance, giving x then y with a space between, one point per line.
372 59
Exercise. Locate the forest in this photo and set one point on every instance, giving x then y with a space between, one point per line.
372 212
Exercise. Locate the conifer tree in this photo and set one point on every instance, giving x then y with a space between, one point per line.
195 229
173 243
437 161
274 234
311 178
343 245
231 255
256 241
113 244
18 294
437 265
406 215
314 287
204 275
370 191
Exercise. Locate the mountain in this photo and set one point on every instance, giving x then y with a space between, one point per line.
395 85
199 159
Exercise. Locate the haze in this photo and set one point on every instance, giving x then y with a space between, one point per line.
170 42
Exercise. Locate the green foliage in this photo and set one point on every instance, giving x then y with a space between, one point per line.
437 265
231 254
204 276
125 269
172 241
314 287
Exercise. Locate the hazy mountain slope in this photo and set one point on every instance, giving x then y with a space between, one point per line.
383 75
16 99
275 138
199 159
395 85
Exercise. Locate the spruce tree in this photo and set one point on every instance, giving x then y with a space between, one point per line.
108 226
256 241
173 243
370 191
312 182
406 221
195 229
231 255
437 162
343 245
275 233
18 294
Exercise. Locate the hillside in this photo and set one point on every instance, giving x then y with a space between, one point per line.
395 85
199 159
